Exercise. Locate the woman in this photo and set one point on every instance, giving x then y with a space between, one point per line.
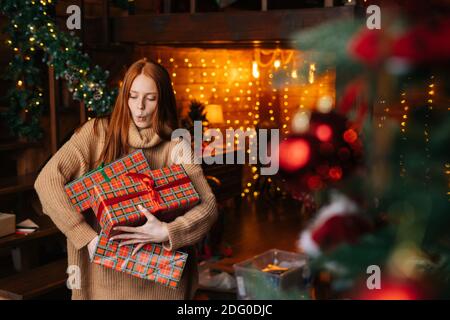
143 118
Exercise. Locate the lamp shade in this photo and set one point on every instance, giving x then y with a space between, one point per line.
214 113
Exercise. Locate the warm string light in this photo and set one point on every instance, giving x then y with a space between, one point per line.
403 126
311 74
384 114
237 85
447 173
431 93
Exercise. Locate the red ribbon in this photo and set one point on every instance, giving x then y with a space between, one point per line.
152 191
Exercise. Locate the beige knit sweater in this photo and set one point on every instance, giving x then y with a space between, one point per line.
75 158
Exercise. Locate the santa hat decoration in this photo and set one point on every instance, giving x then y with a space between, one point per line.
335 224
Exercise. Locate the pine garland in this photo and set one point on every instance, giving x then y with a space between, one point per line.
32 32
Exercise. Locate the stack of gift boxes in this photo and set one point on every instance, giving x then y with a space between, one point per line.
114 192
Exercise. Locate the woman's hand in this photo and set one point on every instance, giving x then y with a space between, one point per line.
152 231
91 247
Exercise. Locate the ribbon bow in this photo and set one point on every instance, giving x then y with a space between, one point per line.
150 184
155 198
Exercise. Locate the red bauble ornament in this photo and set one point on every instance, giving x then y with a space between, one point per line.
424 43
392 289
324 132
326 153
294 154
365 46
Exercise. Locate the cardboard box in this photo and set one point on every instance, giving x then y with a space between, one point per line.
7 224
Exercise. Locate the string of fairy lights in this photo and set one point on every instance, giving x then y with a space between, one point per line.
256 88
405 109
403 127
426 132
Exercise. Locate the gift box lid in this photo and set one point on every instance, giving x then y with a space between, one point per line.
79 190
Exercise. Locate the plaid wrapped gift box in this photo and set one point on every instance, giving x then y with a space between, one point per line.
79 190
151 262
167 192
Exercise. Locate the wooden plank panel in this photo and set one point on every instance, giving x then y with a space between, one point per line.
17 183
34 283
217 27
53 120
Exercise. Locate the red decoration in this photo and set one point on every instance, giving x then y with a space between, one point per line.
324 132
336 223
424 43
335 173
350 136
294 154
366 46
314 182
326 153
339 229
393 289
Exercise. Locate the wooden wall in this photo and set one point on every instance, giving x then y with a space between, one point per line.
226 77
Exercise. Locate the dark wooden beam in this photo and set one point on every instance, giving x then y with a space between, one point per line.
82 112
216 27
34 283
105 22
53 119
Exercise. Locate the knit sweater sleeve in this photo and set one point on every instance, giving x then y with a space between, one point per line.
191 227
69 162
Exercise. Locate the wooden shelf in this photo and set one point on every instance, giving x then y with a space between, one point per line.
17 184
34 283
17 145
46 228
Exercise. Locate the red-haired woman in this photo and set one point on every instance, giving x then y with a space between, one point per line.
143 118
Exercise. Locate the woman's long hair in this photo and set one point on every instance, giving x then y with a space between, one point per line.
116 143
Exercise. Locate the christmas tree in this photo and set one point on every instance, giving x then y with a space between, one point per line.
380 158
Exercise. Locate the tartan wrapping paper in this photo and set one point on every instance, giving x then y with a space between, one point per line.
80 190
151 262
175 194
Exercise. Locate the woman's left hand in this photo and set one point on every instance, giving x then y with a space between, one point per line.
153 231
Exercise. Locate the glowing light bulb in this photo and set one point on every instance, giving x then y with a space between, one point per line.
277 64
312 69
255 71
325 104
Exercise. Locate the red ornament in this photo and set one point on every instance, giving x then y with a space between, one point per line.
425 43
324 132
227 251
314 183
365 46
335 173
306 159
294 154
350 136
391 289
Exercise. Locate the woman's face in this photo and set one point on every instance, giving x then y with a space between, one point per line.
143 100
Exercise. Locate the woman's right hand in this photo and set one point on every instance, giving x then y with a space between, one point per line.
91 247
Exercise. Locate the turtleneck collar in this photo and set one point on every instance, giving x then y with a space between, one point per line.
142 138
